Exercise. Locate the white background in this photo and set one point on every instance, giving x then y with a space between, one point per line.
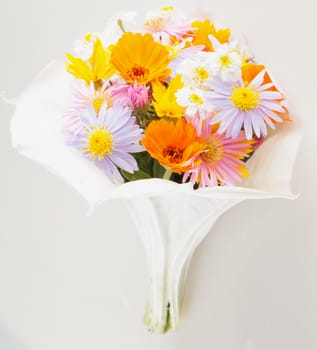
68 281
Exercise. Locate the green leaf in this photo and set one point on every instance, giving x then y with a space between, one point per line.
158 169
145 162
137 175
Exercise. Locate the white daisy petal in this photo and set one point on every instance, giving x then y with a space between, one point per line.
228 121
237 124
274 106
255 124
265 86
258 80
263 127
224 115
271 114
248 127
271 95
266 118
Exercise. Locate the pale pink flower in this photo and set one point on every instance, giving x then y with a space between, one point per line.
134 96
83 97
222 160
167 25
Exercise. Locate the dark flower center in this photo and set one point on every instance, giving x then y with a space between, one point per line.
174 155
137 72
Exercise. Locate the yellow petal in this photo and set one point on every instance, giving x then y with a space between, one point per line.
165 103
243 171
100 61
79 68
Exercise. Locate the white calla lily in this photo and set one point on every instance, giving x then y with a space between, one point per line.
172 219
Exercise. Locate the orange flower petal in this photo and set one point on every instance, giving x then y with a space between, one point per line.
174 144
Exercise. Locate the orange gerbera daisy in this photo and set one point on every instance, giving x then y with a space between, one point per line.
139 59
174 144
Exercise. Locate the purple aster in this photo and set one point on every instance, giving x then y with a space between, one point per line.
109 138
251 106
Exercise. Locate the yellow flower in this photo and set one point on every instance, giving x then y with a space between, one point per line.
139 59
165 104
97 68
204 29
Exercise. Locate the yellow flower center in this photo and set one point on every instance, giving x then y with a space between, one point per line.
245 98
99 143
138 73
155 24
167 8
225 61
201 74
196 99
98 99
214 151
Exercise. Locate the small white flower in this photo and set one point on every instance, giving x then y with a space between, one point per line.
195 72
194 99
226 62
240 45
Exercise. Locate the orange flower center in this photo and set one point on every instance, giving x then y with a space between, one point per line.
214 151
137 73
174 155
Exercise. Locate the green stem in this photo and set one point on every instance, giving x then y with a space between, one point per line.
120 24
167 175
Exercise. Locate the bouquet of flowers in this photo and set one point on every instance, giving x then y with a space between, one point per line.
178 98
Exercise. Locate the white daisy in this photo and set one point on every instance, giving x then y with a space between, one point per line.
225 61
197 71
248 105
194 99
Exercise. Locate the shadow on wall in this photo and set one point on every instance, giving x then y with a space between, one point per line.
8 341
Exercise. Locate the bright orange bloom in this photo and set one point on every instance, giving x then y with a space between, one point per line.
138 58
204 29
250 71
174 144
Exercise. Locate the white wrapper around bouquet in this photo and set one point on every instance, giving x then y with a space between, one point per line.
172 219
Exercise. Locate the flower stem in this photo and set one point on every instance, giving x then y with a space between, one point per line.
120 24
167 175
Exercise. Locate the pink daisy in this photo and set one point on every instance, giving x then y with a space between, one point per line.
85 96
251 106
167 25
222 160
